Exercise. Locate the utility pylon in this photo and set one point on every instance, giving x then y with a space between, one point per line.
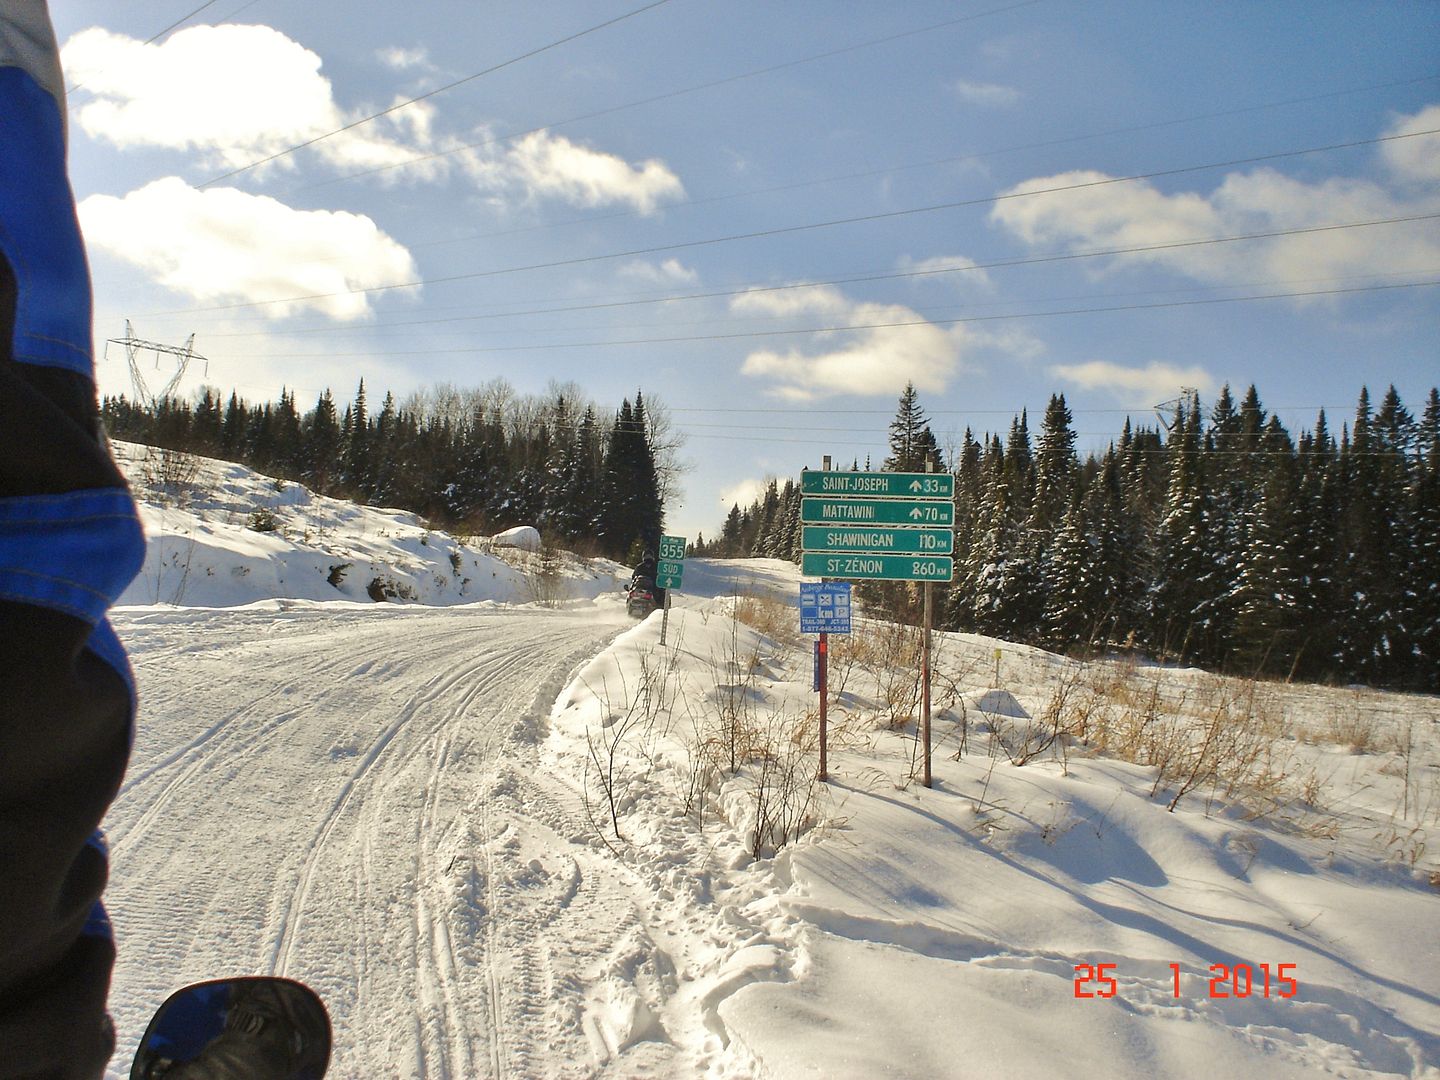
134 346
1189 396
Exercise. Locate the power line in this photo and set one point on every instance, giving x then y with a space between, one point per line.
178 22
864 441
514 135
863 175
929 311
692 339
786 230
243 7
432 93
859 278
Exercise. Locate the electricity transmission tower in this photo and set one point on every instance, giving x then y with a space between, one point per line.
1189 398
144 397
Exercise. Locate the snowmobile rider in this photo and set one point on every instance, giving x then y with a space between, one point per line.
646 574
70 541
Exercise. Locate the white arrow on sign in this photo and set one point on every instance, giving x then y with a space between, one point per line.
916 515
914 485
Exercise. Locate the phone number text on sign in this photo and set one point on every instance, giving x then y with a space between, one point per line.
1226 981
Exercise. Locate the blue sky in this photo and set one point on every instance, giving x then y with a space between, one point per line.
676 133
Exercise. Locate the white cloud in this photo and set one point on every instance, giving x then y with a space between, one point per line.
953 268
989 95
233 93
238 94
1134 214
400 59
222 245
1415 160
1139 386
743 494
866 362
551 166
669 272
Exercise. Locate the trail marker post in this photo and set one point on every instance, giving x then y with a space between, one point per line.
824 610
669 573
879 527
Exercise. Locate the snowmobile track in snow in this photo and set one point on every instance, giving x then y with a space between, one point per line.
348 813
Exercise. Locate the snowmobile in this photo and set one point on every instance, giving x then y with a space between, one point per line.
642 597
237 1029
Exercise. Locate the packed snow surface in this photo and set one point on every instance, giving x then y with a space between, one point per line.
505 831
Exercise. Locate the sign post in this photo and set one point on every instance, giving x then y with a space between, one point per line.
879 527
669 573
824 610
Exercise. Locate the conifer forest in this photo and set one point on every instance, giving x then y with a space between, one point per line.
472 461
1216 538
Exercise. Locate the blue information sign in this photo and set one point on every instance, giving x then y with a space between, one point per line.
825 607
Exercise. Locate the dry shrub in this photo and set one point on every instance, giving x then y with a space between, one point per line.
775 619
890 653
779 779
543 577
1352 729
168 476
1223 735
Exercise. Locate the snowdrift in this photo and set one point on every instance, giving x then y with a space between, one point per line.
222 535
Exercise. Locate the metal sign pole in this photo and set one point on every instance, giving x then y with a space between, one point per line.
824 661
824 693
665 617
925 665
925 683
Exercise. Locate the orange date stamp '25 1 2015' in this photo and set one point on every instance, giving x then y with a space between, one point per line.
1227 981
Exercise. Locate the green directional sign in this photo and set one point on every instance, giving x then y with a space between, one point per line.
669 573
876 512
877 567
879 541
878 485
672 548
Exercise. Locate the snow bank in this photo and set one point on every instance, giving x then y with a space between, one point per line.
944 932
524 537
221 535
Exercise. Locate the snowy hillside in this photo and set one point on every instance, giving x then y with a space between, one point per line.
519 838
221 535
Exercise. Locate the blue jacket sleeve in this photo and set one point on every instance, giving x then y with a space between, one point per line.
69 543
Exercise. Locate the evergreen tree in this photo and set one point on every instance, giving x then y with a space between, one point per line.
1020 466
630 518
730 533
359 457
1072 599
1372 640
382 488
1317 515
1001 567
1267 590
768 522
650 508
283 436
1423 592
1184 555
206 428
912 444
321 444
793 524
1055 467
232 430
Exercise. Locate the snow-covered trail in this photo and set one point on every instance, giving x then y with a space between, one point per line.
375 826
